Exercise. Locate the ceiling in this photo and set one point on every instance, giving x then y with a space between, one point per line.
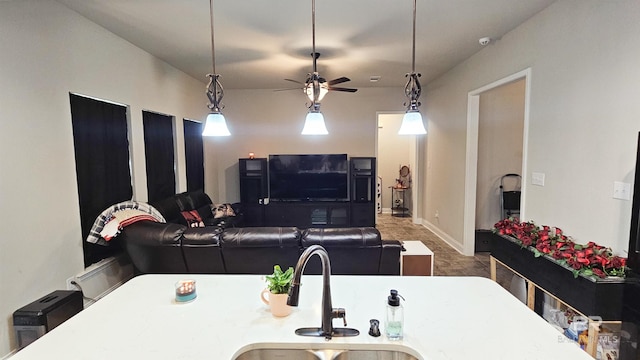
259 43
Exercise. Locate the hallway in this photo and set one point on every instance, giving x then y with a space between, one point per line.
448 261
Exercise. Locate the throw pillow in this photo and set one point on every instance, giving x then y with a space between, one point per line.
193 218
222 210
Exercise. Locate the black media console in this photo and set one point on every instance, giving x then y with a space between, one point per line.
356 210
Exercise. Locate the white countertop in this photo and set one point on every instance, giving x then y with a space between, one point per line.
445 318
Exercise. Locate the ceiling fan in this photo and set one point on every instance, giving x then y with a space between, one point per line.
314 79
315 86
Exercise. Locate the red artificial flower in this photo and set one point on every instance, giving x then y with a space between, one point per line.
547 240
599 273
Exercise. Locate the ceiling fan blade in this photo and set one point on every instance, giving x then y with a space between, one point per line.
342 89
288 89
339 80
295 81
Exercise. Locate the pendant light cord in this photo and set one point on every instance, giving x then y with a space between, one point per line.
213 47
313 33
413 88
413 53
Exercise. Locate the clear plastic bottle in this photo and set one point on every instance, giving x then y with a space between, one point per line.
394 322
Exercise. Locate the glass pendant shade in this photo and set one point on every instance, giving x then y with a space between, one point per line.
314 124
215 125
412 124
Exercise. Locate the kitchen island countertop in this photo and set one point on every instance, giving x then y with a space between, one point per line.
445 318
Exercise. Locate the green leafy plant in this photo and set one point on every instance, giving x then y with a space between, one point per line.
279 282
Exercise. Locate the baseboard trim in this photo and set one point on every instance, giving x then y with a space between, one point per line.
13 352
443 236
101 278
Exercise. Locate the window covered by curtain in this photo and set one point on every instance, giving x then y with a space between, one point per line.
102 164
194 155
159 155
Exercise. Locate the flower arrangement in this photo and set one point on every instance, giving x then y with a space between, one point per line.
589 260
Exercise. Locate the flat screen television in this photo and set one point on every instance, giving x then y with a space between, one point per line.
318 177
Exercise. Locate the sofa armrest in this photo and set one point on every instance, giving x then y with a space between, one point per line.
390 258
154 247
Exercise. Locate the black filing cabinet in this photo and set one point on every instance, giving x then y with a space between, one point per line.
34 320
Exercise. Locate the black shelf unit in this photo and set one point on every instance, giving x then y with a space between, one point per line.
363 191
254 188
316 214
358 211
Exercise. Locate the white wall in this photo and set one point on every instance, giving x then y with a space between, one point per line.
584 118
499 148
269 122
584 124
47 52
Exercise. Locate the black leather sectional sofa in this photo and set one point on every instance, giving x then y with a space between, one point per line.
221 248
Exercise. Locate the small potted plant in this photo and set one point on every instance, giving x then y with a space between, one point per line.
278 285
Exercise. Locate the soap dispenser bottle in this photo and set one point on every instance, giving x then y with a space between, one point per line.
394 322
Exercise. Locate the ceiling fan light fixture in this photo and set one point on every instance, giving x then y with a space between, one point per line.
314 123
324 89
215 125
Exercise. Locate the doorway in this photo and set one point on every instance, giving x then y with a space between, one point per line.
395 153
481 185
500 131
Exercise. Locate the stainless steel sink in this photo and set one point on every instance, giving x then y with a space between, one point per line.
373 355
324 354
277 354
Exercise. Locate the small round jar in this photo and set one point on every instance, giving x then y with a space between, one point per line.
185 291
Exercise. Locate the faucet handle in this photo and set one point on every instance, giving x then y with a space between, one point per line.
339 313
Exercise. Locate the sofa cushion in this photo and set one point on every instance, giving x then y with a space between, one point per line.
256 250
192 200
353 251
170 210
172 207
201 249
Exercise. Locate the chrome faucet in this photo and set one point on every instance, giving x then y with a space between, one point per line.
328 312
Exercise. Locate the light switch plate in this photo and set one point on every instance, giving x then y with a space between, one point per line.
621 190
537 178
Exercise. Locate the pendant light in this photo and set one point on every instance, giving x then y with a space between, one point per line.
215 124
412 121
314 123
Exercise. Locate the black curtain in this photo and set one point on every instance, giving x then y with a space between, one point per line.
194 155
102 164
159 155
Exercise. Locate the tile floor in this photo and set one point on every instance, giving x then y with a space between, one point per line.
448 261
